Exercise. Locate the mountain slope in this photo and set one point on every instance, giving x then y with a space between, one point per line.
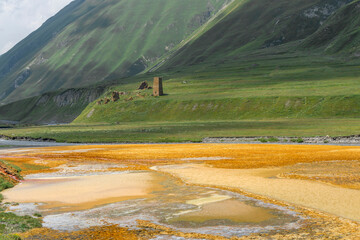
256 24
248 65
101 40
250 61
15 58
341 33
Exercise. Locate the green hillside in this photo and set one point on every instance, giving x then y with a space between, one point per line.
275 86
257 68
231 72
341 33
13 63
99 40
255 24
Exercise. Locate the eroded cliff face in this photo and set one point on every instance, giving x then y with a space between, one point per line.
51 108
71 97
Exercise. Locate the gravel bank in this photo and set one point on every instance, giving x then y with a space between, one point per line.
346 140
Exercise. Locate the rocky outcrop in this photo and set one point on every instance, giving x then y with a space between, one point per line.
114 97
324 9
21 78
67 98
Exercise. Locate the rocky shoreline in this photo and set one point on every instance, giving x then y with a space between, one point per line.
355 139
39 139
343 140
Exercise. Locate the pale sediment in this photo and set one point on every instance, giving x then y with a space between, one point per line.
83 192
331 199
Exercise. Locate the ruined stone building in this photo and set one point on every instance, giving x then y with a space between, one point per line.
158 87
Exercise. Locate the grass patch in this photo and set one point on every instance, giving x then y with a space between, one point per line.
10 237
273 139
27 166
299 140
4 184
186 131
9 222
269 139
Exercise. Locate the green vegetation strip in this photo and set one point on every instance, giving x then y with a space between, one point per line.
186 131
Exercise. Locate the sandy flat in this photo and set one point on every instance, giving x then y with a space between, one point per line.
334 200
212 199
230 209
84 191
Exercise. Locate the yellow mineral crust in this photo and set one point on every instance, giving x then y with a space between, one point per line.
226 155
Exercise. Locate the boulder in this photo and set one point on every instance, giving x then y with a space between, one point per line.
144 85
115 96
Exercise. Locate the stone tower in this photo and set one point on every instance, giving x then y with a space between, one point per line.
158 87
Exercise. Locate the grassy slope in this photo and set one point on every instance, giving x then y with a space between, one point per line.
111 39
271 93
223 77
271 83
341 33
255 24
283 86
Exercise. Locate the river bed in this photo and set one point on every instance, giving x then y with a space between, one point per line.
84 195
